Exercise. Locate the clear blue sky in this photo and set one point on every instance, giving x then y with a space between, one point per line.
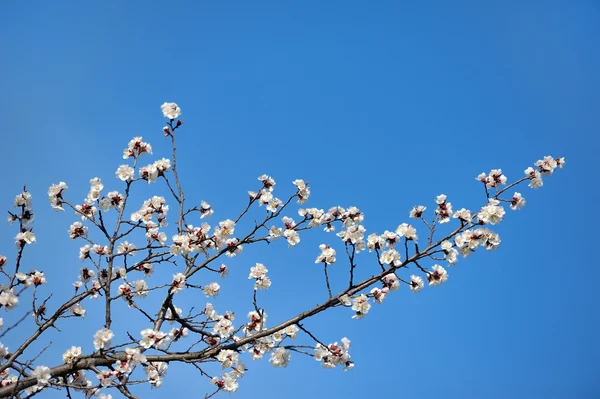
382 105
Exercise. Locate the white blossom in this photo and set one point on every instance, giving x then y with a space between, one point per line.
77 230
55 195
517 202
72 354
292 237
42 375
125 172
154 338
361 306
178 283
8 299
205 210
408 231
170 110
327 255
492 213
211 290
417 212
438 277
155 371
102 338
416 283
280 357
444 209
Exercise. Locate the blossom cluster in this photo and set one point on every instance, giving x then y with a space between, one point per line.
136 147
334 355
393 251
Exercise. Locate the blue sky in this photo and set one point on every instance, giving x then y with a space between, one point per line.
382 106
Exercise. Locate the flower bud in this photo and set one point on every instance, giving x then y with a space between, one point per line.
179 122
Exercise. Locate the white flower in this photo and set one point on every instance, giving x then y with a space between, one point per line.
375 242
354 233
211 290
379 294
494 179
444 209
25 237
23 199
228 358
126 248
345 300
102 338
134 356
417 212
178 283
224 327
464 215
152 337
136 147
416 283
280 357
535 176
492 213
223 271
361 306
265 197
438 277
390 257
77 230
162 165
42 374
406 230
548 164
227 383
334 355
267 181
8 299
258 271
233 247
303 191
141 288
149 173
72 354
181 245
291 331
86 211
517 202
256 323
55 195
205 210
78 310
3 351
391 282
125 172
451 253
273 204
288 222
225 229
292 237
170 110
37 279
156 372
327 255
275 233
